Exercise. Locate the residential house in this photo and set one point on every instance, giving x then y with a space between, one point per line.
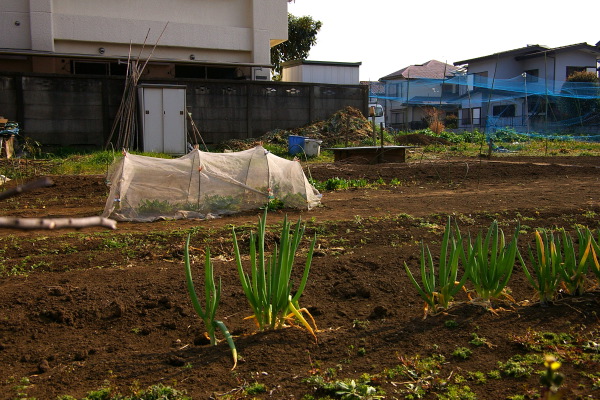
520 88
413 91
194 39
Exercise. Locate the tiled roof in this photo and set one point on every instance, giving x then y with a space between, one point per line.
432 69
577 46
530 48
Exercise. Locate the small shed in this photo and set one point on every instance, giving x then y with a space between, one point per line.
339 73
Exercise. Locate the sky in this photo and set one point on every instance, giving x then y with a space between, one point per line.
388 35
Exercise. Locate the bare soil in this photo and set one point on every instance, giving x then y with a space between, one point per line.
92 308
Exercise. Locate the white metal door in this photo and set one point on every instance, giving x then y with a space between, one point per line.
153 120
174 121
164 123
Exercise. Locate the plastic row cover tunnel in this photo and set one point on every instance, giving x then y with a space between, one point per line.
201 184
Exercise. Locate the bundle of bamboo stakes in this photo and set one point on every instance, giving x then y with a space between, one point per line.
125 123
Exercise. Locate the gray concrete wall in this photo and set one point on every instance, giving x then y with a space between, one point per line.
79 111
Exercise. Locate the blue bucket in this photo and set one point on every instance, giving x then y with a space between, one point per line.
295 144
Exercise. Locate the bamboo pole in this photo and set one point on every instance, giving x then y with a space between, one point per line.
55 223
47 223
26 187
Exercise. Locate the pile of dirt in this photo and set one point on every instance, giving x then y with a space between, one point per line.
346 125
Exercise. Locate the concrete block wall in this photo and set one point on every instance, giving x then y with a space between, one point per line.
79 111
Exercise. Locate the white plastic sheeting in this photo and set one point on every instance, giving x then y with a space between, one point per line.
201 184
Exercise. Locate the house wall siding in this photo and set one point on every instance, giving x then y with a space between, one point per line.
572 59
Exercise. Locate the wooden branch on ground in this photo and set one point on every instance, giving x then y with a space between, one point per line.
55 223
39 183
47 223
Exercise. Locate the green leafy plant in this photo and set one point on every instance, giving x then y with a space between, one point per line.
479 341
494 374
351 390
419 375
268 288
450 323
546 263
275 204
360 323
489 262
342 184
439 287
255 388
221 203
519 366
457 392
462 352
212 296
347 389
154 392
155 206
477 376
294 200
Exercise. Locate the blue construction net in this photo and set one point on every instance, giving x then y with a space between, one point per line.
527 104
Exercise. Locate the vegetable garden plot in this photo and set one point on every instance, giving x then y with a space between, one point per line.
202 184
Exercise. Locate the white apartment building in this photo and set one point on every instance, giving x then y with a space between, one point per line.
228 39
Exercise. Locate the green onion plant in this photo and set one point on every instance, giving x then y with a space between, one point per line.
546 263
489 262
574 269
595 250
269 287
212 295
439 285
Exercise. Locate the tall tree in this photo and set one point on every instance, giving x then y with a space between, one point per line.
302 35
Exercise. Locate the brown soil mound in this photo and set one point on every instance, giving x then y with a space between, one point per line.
348 124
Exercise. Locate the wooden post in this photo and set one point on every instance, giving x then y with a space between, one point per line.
372 115
374 131
381 137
